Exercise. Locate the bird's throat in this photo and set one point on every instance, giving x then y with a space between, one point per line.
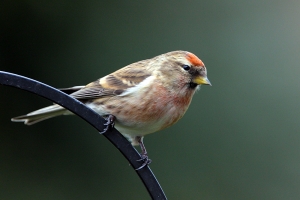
192 85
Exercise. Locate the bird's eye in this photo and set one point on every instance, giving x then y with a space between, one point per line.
186 67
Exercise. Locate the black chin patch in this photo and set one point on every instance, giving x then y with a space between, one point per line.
193 85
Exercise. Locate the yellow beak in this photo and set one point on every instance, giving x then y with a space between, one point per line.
200 80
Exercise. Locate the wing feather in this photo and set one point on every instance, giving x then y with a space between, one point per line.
113 84
71 89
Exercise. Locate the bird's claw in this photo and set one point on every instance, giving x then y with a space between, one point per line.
110 123
144 156
146 161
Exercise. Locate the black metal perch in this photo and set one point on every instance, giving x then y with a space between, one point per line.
93 119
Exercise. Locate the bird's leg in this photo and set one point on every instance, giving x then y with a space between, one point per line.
110 123
144 155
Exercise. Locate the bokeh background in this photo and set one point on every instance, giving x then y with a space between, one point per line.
240 138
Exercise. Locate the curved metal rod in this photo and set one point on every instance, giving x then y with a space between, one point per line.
93 119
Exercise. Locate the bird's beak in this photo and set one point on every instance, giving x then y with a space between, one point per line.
200 80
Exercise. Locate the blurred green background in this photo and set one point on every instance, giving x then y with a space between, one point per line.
239 140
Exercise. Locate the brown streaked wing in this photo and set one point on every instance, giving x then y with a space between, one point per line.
126 77
113 84
94 90
71 90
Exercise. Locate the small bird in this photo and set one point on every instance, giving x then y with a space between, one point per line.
140 98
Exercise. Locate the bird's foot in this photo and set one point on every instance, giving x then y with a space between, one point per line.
146 161
144 156
110 123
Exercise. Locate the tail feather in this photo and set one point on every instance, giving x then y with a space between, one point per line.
41 114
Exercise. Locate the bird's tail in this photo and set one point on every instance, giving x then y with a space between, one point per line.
41 114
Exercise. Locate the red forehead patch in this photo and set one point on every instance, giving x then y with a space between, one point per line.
194 60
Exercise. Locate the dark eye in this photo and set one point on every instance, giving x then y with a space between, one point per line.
186 67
